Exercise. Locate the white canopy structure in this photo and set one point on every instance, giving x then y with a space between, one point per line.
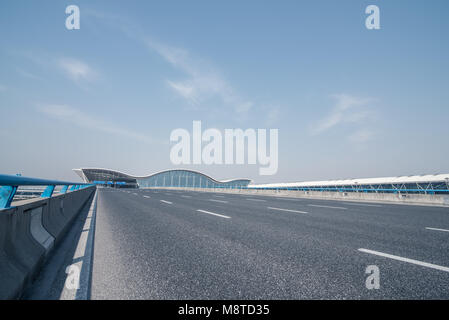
400 183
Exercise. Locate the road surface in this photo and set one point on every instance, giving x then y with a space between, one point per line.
165 244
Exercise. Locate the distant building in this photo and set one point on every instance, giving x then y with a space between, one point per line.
183 178
169 178
426 184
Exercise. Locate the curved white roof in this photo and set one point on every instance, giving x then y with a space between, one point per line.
81 174
365 181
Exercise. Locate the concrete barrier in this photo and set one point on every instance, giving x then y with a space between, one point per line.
416 199
38 231
61 210
28 232
12 276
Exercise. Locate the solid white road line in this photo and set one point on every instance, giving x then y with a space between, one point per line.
362 204
221 201
135 194
419 263
255 200
146 196
289 199
82 258
214 214
167 202
288 210
216 195
437 229
186 196
320 206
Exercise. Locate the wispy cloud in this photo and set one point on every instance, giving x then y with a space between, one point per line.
203 81
348 109
82 119
76 70
28 75
187 90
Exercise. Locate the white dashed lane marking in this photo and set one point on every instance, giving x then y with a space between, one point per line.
329 207
221 201
287 210
419 263
214 214
437 229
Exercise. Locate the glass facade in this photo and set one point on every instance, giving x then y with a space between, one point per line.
189 179
169 178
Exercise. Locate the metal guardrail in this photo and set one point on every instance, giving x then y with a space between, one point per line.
366 190
322 189
9 185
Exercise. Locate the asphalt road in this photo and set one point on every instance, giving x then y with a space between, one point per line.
159 244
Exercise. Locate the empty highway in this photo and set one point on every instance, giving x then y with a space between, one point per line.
166 244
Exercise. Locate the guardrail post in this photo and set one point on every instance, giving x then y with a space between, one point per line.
48 191
6 195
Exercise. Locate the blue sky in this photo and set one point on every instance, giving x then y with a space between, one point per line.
348 102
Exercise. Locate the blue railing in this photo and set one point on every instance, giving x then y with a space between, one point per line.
9 185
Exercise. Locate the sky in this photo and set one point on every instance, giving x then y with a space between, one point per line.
348 102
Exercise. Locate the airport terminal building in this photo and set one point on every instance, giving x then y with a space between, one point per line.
180 178
183 178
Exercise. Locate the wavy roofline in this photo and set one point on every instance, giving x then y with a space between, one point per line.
162 171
